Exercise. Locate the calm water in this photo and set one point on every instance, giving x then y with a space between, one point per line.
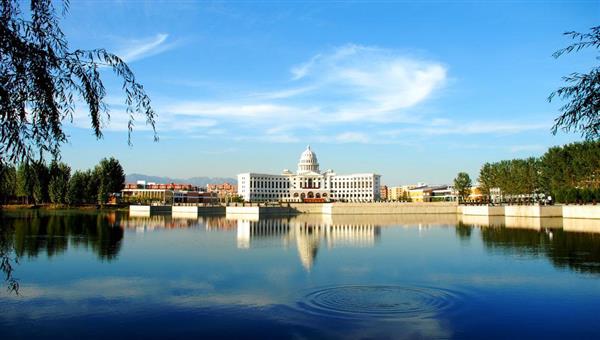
88 275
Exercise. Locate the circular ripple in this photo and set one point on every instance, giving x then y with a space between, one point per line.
378 301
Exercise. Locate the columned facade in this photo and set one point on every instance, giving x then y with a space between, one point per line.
309 185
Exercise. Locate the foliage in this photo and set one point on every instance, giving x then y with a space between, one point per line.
59 182
110 176
41 79
8 182
563 171
582 92
487 178
462 185
76 192
40 183
25 182
35 182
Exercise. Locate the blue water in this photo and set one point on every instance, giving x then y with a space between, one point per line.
90 275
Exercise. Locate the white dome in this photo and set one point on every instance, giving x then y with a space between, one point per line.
308 161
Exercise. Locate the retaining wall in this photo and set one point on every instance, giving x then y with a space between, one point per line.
260 211
581 211
182 209
147 209
481 210
533 210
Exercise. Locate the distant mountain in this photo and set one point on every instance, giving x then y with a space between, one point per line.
198 181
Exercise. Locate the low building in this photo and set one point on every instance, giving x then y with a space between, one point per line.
400 193
224 191
420 194
170 193
383 193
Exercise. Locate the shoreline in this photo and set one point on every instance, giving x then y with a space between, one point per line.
57 207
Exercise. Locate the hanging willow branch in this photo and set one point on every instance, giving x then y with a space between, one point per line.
582 111
41 80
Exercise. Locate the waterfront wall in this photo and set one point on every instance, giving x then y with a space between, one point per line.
379 208
533 210
199 210
256 210
147 209
481 210
384 208
581 211
308 208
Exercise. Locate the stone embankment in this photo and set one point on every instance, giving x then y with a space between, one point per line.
385 208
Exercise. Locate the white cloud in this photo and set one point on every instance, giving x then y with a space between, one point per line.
349 94
141 48
449 127
352 83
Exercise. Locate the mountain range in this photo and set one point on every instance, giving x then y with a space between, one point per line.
198 181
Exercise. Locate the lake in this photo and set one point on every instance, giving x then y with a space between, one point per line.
98 275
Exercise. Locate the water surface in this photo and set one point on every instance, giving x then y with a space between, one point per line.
95 275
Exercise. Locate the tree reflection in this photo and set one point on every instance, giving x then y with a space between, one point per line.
52 234
31 233
8 258
463 231
576 251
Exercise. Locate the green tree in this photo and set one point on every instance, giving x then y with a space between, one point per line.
487 178
462 185
59 182
40 182
25 182
582 111
110 176
41 80
76 193
8 182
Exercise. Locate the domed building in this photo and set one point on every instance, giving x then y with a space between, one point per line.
308 184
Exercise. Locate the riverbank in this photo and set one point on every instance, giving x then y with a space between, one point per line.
50 207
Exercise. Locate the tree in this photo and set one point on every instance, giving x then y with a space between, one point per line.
25 182
40 182
59 182
8 182
462 185
110 176
582 92
487 178
41 80
76 191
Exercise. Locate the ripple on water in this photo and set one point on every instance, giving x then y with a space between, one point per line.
383 301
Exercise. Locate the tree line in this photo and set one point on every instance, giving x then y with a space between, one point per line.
37 182
570 173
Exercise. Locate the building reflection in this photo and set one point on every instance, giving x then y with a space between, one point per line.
307 233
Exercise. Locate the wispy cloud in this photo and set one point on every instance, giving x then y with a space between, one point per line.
351 83
142 48
348 94
449 127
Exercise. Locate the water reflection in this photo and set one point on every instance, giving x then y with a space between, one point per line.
308 233
573 250
52 233
568 243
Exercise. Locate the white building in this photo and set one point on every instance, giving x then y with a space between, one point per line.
309 185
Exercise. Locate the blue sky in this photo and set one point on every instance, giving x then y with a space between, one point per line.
415 91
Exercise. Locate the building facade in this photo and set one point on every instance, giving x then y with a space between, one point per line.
224 191
170 193
308 184
383 193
